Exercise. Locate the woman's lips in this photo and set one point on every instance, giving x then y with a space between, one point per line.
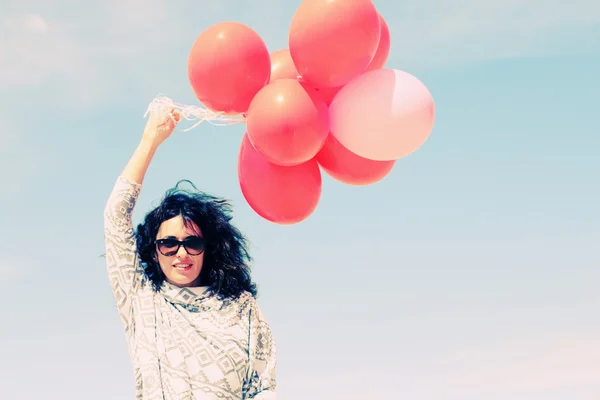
182 267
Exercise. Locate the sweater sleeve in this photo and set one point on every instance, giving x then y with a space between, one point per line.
124 272
263 355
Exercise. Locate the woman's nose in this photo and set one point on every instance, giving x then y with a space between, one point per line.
181 252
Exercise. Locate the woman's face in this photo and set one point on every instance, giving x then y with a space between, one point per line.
180 252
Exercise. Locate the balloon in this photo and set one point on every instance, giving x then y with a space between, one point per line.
383 50
282 65
328 93
227 65
287 122
284 195
333 41
382 115
347 167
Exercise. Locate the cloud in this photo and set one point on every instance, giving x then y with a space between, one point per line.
34 23
96 53
8 272
88 54
444 33
78 56
523 367
18 161
33 51
525 364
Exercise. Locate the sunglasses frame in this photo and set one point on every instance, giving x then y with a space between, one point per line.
180 243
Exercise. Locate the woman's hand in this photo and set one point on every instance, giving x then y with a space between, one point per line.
160 125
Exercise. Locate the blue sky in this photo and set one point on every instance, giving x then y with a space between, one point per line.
470 273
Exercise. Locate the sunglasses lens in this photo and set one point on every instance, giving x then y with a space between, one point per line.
168 247
194 245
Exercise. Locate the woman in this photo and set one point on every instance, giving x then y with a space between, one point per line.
183 290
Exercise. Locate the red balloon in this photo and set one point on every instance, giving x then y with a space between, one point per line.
227 65
282 65
328 93
333 41
383 50
283 195
288 122
349 168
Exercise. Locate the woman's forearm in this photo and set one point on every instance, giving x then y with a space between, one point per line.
138 164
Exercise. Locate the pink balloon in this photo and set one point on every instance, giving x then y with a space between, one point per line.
384 114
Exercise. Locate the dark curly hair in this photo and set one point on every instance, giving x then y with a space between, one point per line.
226 269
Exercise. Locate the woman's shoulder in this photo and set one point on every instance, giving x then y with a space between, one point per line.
245 299
244 303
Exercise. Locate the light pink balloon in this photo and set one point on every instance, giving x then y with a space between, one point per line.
382 115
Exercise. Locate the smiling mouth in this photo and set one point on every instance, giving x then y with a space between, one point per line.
183 267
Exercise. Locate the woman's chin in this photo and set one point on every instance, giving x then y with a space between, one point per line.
183 281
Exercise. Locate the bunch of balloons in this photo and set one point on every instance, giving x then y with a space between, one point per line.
326 103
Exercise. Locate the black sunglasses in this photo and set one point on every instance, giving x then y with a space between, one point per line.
194 245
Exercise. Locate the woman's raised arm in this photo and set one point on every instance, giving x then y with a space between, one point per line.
124 271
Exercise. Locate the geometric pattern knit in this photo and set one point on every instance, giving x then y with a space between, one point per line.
184 343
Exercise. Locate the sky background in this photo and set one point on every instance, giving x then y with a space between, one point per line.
470 273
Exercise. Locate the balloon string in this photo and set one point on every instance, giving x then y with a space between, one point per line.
193 113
